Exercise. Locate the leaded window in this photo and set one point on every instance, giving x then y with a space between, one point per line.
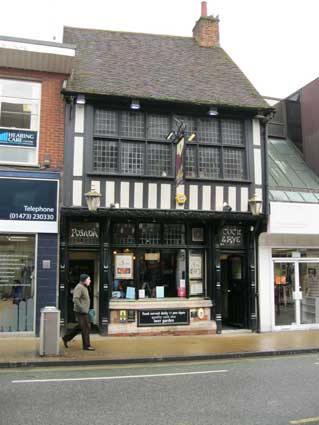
149 233
174 234
124 233
132 158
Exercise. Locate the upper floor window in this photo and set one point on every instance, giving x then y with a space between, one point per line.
19 121
134 143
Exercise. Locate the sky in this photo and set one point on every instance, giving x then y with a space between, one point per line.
274 42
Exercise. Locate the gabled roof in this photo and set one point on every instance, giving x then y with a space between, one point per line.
163 68
290 179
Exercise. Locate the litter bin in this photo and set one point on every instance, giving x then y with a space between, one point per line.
49 331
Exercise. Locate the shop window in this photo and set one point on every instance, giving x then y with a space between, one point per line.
174 234
196 272
19 121
149 233
124 233
17 283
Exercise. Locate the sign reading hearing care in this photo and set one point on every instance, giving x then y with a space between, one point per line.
25 138
232 237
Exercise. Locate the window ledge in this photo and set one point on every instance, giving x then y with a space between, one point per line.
154 303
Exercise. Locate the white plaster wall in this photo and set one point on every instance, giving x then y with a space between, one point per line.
265 289
297 218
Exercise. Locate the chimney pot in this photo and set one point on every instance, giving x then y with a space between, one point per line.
204 8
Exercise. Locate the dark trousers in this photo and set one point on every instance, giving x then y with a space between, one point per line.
83 326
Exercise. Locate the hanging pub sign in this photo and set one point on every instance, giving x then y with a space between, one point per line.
180 161
23 138
232 237
84 233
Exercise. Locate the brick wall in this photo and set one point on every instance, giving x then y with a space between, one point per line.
206 31
51 140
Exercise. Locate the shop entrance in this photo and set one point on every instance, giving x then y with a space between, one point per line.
79 263
234 291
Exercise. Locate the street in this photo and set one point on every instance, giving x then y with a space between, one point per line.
265 391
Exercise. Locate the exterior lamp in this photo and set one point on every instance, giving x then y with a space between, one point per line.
212 112
255 205
93 199
80 99
226 207
135 104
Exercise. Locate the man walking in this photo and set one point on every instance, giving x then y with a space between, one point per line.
81 301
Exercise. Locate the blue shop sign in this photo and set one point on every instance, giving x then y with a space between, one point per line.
25 138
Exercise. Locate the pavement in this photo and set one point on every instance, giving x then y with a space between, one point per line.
24 351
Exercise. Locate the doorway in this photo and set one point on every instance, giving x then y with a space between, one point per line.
234 292
88 263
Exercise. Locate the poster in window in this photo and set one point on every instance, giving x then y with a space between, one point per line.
195 265
123 266
197 234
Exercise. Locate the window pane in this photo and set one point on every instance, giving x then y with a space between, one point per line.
17 283
149 233
209 162
20 89
232 132
123 233
106 122
190 161
234 164
132 158
309 286
132 124
188 121
159 159
15 115
208 131
16 155
105 156
174 234
158 126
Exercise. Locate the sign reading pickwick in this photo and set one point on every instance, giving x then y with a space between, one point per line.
232 237
84 233
163 317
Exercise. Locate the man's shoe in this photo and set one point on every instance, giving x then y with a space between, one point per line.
89 348
65 343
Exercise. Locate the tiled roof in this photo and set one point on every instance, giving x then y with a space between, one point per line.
163 68
290 179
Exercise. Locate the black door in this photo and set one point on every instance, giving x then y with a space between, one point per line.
234 292
76 268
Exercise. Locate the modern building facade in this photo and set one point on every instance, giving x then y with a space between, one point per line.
169 136
31 161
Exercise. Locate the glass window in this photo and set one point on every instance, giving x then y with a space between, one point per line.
149 233
158 126
309 286
19 110
232 132
17 283
174 234
124 233
208 130
132 124
234 164
159 159
106 122
105 156
190 161
209 162
196 272
132 158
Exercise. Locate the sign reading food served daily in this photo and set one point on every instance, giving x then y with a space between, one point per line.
163 317
25 138
29 201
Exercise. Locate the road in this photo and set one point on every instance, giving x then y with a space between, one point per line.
263 391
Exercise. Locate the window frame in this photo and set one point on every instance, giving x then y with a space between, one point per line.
37 129
197 145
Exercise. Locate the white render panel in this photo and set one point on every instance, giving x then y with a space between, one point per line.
232 197
138 195
109 194
259 194
193 197
244 199
266 290
297 218
79 119
165 196
219 198
78 157
32 226
256 132
152 195
206 198
180 189
77 193
125 195
257 166
96 185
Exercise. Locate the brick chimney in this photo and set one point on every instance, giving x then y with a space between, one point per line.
206 29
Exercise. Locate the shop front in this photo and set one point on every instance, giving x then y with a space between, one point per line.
176 274
28 249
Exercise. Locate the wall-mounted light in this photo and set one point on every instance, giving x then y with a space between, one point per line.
255 205
47 160
93 200
212 112
135 104
80 99
192 137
